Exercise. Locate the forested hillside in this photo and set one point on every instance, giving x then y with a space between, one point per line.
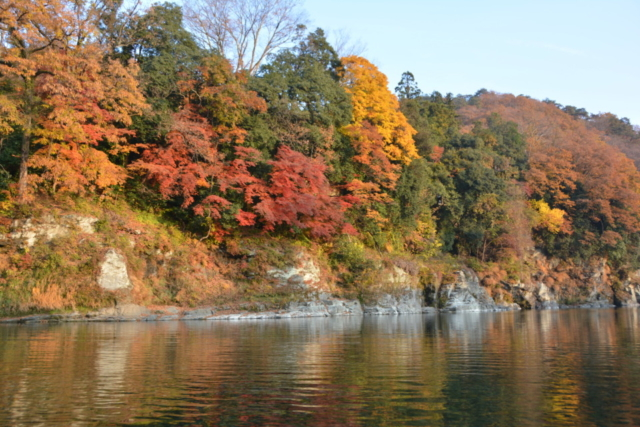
223 132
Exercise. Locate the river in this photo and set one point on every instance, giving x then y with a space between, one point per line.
556 368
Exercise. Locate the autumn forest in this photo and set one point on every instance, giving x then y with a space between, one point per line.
230 120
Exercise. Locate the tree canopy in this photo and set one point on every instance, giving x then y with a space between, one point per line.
233 119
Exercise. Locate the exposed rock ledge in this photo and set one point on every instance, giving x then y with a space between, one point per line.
465 294
552 287
324 306
409 301
26 232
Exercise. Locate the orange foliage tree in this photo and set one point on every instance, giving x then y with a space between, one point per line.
189 163
60 93
204 162
570 166
297 194
90 103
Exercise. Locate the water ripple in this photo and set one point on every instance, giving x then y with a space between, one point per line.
578 367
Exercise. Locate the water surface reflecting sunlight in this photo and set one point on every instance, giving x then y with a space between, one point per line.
574 367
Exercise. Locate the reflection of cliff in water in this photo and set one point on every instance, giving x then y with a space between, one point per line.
525 368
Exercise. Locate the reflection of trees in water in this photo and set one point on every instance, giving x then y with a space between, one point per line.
62 371
536 368
531 368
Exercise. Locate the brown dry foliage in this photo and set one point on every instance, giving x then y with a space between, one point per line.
565 152
49 298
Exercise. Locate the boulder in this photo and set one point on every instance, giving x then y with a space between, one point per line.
113 272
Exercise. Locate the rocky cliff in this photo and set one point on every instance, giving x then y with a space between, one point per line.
119 272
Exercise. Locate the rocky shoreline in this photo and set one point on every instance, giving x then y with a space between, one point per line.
397 288
135 313
465 295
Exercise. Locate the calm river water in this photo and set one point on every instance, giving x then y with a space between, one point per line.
574 367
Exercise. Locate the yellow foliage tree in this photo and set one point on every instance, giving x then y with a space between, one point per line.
374 103
551 219
424 239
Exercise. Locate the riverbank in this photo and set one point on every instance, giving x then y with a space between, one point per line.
327 307
115 264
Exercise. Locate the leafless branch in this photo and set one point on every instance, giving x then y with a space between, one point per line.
245 31
344 44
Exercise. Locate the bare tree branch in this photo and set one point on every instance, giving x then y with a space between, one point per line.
344 45
245 31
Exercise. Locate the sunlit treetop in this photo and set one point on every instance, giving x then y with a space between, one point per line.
374 103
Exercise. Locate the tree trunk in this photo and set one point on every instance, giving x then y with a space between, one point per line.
26 145
24 158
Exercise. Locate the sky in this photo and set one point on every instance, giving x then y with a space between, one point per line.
581 53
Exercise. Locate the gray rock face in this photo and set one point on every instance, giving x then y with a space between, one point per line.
597 304
630 297
305 274
47 228
600 293
308 309
541 297
198 314
316 308
534 296
337 307
466 294
628 294
545 298
324 307
601 296
409 301
113 272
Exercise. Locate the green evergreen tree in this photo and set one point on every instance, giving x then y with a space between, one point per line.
407 87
